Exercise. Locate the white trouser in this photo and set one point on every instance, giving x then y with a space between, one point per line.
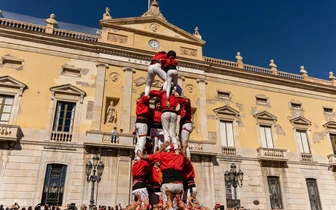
141 133
153 70
168 120
141 194
172 187
185 132
171 77
158 137
178 88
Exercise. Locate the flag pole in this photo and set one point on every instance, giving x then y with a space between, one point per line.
149 2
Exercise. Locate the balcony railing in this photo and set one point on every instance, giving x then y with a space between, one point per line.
231 151
195 146
272 154
61 136
306 157
9 132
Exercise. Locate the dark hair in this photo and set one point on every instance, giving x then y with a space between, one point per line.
171 53
162 52
157 101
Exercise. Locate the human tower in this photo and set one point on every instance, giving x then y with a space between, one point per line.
162 172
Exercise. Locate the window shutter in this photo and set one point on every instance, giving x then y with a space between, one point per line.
223 133
269 140
229 132
305 142
298 138
263 136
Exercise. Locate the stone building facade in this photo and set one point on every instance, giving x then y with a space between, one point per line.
57 81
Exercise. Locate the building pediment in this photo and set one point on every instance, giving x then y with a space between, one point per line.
300 121
10 82
330 124
151 26
226 110
265 115
67 89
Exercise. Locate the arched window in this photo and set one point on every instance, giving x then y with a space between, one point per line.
54 181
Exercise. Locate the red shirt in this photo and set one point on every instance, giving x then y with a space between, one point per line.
156 115
170 62
185 111
140 169
173 100
188 170
168 160
159 56
156 175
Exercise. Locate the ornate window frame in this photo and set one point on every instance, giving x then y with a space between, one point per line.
71 70
301 123
226 113
261 96
16 63
67 93
12 87
330 127
264 118
224 94
295 102
328 108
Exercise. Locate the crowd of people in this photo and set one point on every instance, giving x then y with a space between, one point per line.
162 172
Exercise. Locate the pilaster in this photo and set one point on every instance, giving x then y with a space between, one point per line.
125 119
98 96
203 109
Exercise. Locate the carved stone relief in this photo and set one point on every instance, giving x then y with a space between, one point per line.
190 88
318 136
329 117
296 113
254 110
140 81
240 107
157 83
117 38
154 27
240 121
279 130
114 77
188 51
212 136
9 61
83 84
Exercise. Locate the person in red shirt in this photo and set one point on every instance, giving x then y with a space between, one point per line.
169 115
170 65
172 163
155 68
140 171
156 178
141 123
156 131
186 126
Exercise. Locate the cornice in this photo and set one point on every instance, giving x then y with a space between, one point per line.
98 47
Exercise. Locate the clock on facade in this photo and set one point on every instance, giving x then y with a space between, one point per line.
154 44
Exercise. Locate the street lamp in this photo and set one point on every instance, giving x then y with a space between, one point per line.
234 178
93 178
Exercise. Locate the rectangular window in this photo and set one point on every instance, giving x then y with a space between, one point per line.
301 136
275 192
6 104
328 110
296 105
333 142
314 196
64 116
226 132
266 136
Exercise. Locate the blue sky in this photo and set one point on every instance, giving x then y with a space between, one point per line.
292 32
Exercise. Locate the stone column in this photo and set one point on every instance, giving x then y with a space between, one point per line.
125 119
203 108
208 181
98 96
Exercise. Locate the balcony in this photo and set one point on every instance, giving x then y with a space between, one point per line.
59 136
99 139
306 157
332 162
10 133
229 151
268 156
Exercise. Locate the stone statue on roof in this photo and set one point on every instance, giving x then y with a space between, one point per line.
106 15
